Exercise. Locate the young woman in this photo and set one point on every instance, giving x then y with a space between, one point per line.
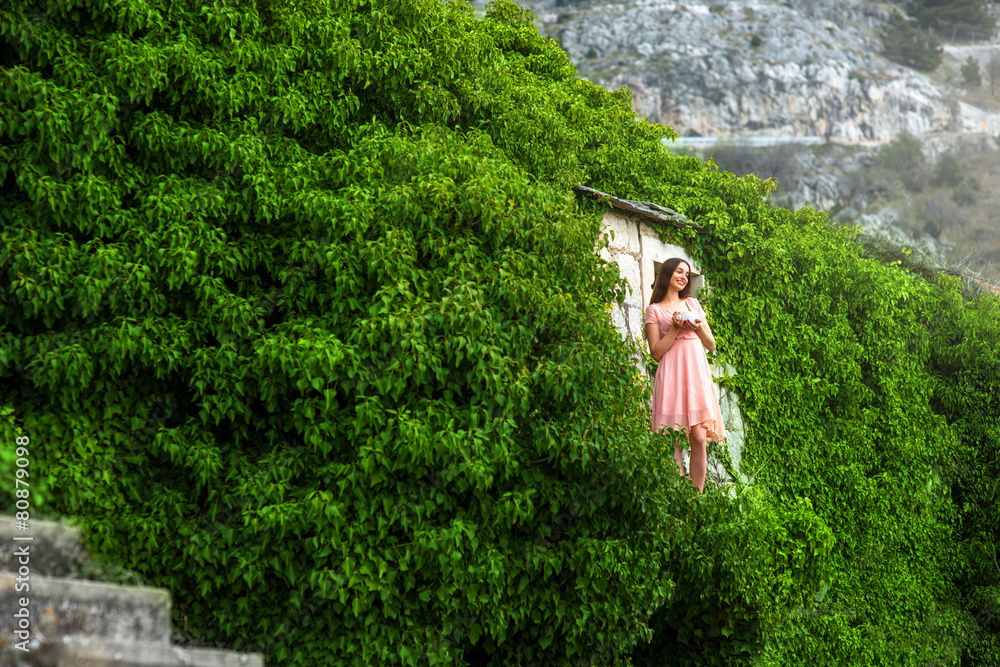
683 394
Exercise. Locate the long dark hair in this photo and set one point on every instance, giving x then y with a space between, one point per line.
663 280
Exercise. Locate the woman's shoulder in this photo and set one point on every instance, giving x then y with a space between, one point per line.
654 311
658 308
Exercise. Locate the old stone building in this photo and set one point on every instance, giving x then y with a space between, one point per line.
635 245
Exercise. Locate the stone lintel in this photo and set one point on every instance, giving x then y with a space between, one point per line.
644 208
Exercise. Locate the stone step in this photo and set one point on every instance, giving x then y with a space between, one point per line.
59 608
92 653
56 549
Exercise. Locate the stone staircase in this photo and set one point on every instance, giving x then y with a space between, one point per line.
66 622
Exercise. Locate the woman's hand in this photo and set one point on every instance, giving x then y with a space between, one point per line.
685 324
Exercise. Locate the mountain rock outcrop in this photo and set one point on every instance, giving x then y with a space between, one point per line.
797 90
725 69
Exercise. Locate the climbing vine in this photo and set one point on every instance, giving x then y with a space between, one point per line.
309 328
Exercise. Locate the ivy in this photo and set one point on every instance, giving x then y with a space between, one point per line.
305 324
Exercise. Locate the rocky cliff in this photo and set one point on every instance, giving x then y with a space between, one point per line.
756 73
725 69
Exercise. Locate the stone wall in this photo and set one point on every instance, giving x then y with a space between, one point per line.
636 247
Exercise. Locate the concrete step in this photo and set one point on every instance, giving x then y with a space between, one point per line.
60 608
56 549
91 653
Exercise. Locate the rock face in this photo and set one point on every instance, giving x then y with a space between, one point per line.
55 619
763 79
725 69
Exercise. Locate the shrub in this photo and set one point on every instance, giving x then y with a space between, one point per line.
967 192
906 45
729 544
303 321
939 214
948 171
903 157
826 341
954 18
965 358
902 153
970 73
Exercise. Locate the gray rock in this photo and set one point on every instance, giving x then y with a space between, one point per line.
59 608
55 549
732 68
846 215
880 189
76 652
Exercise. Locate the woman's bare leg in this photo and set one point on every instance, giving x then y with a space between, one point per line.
679 457
698 436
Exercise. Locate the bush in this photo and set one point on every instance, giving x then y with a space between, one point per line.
970 73
948 171
906 45
958 18
967 192
965 358
729 545
848 335
902 153
903 157
303 320
939 215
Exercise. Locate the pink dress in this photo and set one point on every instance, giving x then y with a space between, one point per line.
683 393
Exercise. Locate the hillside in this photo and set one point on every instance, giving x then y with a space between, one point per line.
301 320
795 69
952 220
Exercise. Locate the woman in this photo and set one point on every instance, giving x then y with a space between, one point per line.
683 394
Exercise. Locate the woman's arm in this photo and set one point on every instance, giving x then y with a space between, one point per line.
703 330
705 334
658 345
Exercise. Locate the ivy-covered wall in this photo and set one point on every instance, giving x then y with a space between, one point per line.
635 243
304 322
835 368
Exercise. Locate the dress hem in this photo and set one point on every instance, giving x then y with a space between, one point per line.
712 434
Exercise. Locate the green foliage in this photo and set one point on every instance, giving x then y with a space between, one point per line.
305 325
902 153
903 157
34 486
967 192
959 18
970 73
906 45
948 171
725 609
965 356
831 351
